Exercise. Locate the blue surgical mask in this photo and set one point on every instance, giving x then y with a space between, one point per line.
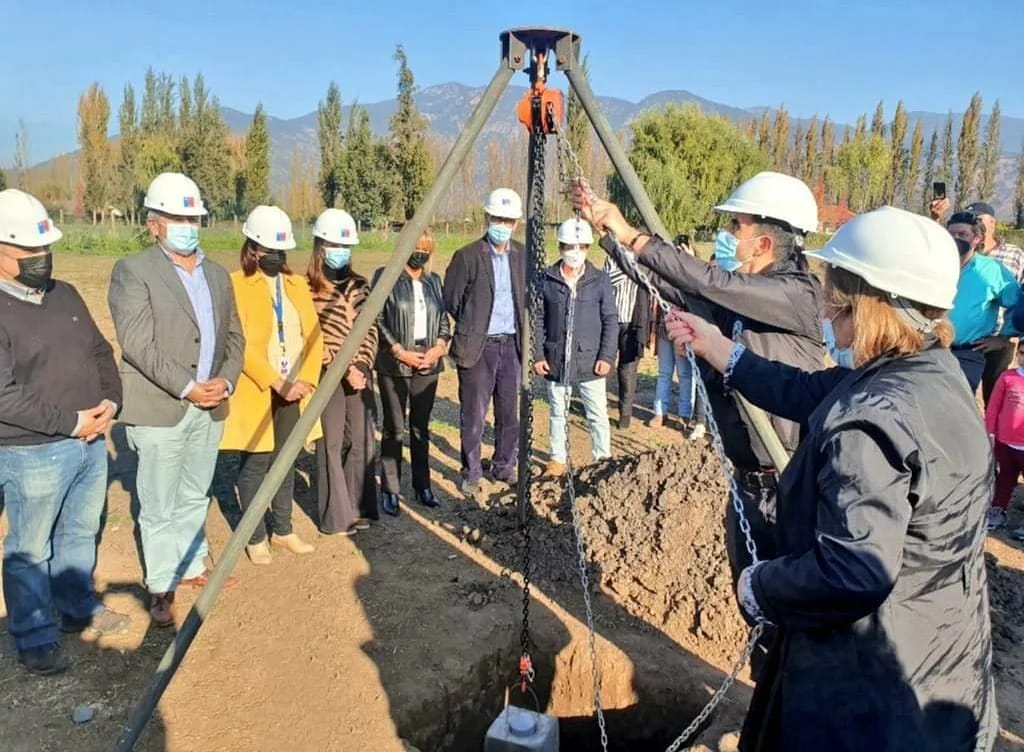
498 233
337 258
182 239
725 251
842 357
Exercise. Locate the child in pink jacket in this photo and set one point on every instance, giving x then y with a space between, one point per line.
1004 419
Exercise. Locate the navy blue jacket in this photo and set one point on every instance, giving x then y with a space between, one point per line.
595 332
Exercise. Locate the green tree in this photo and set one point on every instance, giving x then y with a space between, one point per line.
967 151
362 179
408 141
186 116
913 172
795 164
688 161
256 176
945 173
331 145
878 121
780 140
156 155
1018 193
990 156
861 131
863 167
127 117
900 156
578 123
764 134
149 118
93 124
930 167
3 181
204 152
812 158
828 146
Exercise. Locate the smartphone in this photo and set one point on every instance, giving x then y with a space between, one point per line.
938 190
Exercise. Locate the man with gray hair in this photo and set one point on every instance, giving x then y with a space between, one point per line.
182 350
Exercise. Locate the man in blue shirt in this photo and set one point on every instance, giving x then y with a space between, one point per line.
484 291
986 288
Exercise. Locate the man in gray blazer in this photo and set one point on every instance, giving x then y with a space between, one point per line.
182 349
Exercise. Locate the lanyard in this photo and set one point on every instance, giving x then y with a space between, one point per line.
279 313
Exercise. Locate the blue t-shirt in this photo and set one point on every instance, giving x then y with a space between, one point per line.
985 287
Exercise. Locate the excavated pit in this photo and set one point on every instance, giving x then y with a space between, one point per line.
664 610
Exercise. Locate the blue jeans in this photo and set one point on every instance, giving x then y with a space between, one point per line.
595 404
176 465
668 364
54 495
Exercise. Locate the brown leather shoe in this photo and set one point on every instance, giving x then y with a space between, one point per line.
161 609
555 469
199 581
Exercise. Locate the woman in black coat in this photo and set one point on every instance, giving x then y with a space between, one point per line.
877 587
414 335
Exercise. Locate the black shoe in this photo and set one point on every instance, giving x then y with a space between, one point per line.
45 660
390 503
426 498
469 487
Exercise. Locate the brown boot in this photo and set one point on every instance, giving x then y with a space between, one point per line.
292 542
555 469
161 609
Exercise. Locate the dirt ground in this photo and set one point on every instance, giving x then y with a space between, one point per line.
406 634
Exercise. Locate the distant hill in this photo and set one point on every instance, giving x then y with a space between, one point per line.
448 106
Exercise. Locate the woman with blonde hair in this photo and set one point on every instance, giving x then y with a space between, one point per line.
877 587
283 348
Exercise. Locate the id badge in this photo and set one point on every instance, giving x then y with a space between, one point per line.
284 366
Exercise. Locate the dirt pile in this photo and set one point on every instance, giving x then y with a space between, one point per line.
654 532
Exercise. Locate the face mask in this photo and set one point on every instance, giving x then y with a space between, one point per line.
418 259
842 357
962 246
271 263
337 258
35 271
182 239
574 259
725 251
499 234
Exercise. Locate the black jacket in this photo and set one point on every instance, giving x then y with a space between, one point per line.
469 297
397 320
879 589
779 313
595 333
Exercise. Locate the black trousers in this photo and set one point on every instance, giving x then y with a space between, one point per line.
346 486
972 363
399 394
253 467
631 349
995 363
495 376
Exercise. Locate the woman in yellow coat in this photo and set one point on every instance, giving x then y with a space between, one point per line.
283 351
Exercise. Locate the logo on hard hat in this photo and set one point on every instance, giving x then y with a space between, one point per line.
506 202
282 236
189 202
345 233
43 227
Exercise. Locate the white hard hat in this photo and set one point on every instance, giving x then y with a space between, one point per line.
898 252
336 227
24 221
270 227
174 193
505 203
575 232
775 196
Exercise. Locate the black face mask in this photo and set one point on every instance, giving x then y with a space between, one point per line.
271 263
418 259
962 246
35 272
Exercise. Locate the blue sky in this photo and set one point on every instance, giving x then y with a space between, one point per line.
812 55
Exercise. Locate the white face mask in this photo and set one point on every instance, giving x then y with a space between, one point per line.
574 259
841 356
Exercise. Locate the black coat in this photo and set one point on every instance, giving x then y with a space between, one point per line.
397 321
879 588
595 334
779 313
469 297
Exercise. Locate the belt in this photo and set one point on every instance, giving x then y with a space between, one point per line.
420 343
758 480
499 337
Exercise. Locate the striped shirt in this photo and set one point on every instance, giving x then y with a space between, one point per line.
1011 256
338 304
623 290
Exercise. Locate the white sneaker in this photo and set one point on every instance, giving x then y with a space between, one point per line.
695 432
1018 534
996 518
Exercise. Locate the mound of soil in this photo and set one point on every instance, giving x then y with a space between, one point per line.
654 534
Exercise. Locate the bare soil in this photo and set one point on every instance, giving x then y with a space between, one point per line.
406 635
